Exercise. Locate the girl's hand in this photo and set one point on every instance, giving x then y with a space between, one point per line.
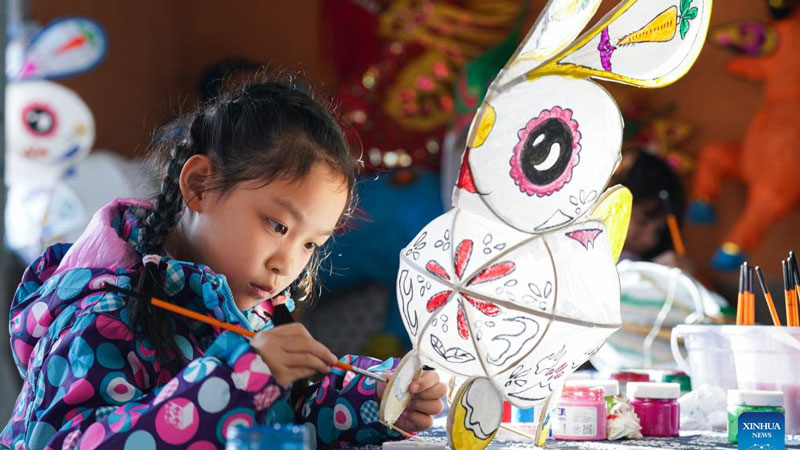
426 401
291 353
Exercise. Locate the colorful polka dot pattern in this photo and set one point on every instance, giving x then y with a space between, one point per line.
91 383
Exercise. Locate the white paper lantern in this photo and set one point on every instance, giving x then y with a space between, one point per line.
516 286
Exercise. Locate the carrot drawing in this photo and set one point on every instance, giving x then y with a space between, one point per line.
663 27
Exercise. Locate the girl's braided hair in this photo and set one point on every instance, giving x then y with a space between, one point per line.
262 130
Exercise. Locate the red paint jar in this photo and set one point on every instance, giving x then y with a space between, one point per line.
626 376
657 407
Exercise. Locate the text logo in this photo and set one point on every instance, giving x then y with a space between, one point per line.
762 431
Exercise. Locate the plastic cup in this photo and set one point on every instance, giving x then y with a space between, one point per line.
768 359
709 355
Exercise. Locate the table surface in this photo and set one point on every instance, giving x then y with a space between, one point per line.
691 440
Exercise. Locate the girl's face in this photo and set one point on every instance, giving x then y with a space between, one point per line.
647 224
260 237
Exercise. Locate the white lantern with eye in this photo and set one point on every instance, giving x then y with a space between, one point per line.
49 128
516 286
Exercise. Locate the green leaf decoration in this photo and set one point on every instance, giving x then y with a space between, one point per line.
684 28
690 14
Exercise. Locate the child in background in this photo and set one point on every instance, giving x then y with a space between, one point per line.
648 235
257 182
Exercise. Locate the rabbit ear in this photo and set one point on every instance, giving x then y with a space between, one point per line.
65 47
640 42
556 27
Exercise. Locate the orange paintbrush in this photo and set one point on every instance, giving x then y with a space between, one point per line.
672 224
740 298
227 326
790 294
776 320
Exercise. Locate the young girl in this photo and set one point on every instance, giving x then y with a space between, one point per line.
256 184
648 237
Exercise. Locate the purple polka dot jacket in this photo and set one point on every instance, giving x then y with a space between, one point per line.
90 381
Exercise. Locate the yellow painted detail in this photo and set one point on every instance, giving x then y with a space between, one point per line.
614 209
485 126
661 29
460 437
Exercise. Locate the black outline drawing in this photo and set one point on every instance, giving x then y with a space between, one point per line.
507 354
477 426
455 355
407 291
414 249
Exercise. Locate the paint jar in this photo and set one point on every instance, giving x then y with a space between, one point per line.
610 389
506 412
579 375
272 437
626 376
520 415
580 414
657 407
678 376
750 401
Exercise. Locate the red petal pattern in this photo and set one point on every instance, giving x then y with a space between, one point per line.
493 272
463 330
437 301
463 253
484 307
436 269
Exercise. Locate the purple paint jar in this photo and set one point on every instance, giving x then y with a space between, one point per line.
657 407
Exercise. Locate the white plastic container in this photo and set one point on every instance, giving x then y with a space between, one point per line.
710 359
768 359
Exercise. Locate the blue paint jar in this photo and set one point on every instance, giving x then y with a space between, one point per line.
269 437
522 415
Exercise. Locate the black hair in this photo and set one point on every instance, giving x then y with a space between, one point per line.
212 81
262 130
647 176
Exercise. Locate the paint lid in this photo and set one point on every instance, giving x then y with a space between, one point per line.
610 387
583 393
755 398
677 376
631 375
582 375
654 390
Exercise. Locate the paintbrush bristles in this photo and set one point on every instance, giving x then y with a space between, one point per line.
360 371
776 320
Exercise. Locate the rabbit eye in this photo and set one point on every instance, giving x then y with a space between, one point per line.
546 152
39 120
537 156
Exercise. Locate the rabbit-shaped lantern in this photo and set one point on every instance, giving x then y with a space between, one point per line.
54 184
516 286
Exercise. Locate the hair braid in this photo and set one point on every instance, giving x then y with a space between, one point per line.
161 220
